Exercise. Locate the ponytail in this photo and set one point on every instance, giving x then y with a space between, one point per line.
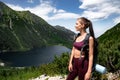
91 29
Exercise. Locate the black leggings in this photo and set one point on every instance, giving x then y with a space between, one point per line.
80 67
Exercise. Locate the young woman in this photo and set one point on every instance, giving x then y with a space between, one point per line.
76 63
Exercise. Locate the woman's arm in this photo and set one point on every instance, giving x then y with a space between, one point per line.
91 48
70 61
90 63
71 56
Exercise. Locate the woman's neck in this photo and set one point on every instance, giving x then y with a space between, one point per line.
82 32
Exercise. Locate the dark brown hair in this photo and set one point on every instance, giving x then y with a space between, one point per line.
87 24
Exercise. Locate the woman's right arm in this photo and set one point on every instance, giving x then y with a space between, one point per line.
70 61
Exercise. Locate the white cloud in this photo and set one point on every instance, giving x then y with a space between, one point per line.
101 9
89 3
64 15
94 15
46 11
60 11
117 20
42 10
16 7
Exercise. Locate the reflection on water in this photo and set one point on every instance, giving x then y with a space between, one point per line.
33 57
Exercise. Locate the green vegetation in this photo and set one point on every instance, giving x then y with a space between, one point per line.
58 66
109 49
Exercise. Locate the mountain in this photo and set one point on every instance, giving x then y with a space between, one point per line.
109 48
22 30
67 31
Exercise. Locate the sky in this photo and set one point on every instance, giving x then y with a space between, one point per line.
104 14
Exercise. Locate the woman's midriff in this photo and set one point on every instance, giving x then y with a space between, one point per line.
77 54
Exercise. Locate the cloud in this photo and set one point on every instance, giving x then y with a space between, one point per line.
46 11
94 15
16 7
42 10
64 15
101 9
89 3
117 20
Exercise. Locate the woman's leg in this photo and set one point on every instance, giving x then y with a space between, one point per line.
83 67
72 75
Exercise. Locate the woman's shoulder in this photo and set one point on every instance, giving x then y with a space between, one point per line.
91 39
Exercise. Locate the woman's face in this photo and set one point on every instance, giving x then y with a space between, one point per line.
78 25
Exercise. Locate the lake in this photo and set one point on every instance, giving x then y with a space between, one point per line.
33 57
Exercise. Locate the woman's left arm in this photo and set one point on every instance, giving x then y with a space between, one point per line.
91 48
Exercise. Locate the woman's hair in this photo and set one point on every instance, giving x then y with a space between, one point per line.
87 24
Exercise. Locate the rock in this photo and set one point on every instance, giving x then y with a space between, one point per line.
45 77
2 64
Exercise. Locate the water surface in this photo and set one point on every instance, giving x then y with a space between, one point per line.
33 57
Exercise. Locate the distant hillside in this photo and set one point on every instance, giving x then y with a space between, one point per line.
66 31
22 30
109 48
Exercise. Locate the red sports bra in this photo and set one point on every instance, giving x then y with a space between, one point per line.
78 45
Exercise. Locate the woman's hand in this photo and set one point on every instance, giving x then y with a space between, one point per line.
87 76
70 67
